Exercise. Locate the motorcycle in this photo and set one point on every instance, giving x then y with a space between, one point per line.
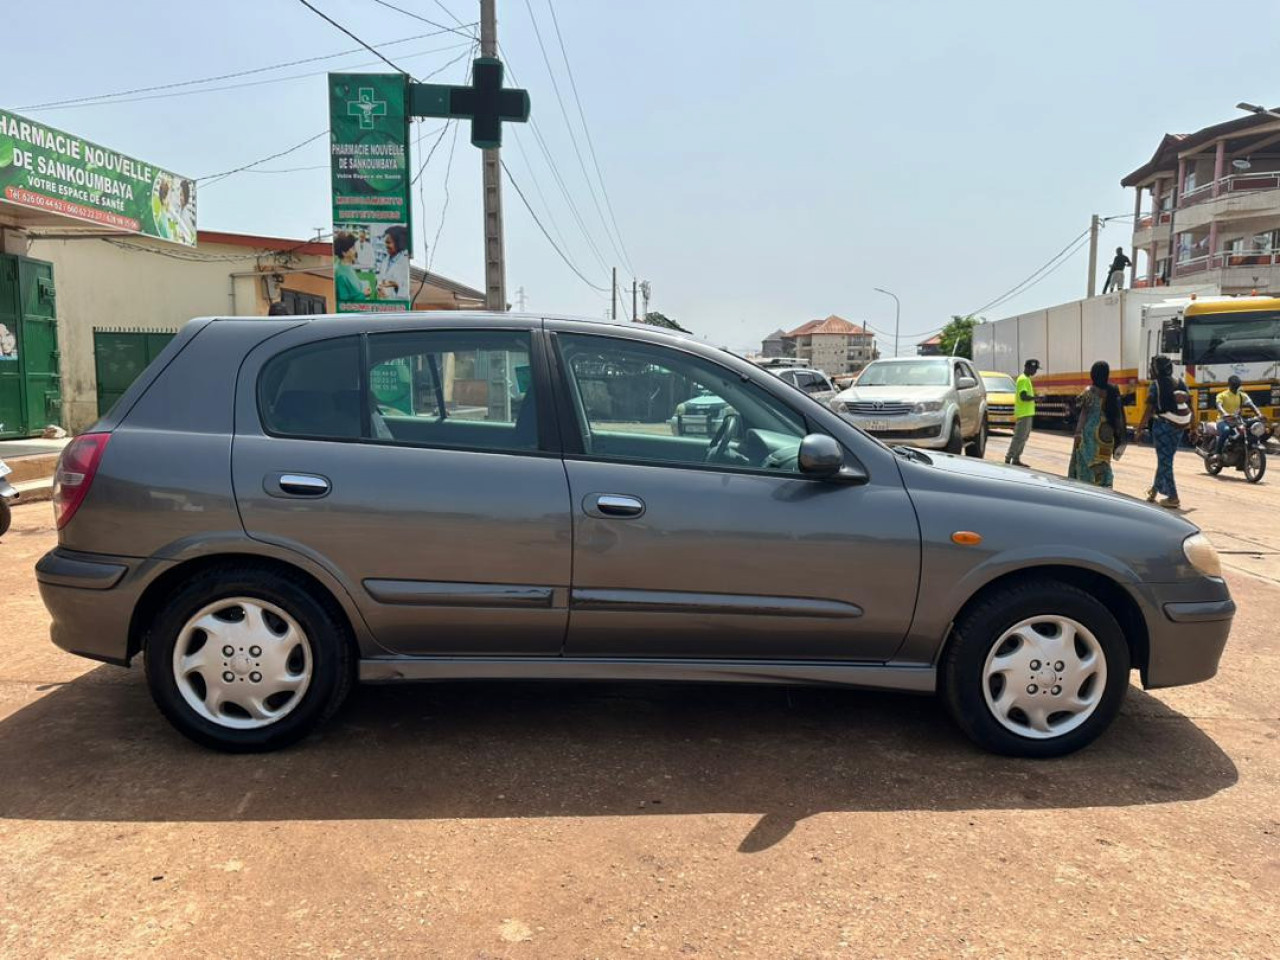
1245 447
7 493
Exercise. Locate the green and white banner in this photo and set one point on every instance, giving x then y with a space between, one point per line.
369 167
43 168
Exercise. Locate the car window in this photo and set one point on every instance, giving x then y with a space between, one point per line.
470 389
313 391
998 383
640 402
908 373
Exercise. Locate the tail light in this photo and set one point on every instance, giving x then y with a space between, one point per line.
76 469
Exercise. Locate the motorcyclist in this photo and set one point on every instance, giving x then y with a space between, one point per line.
1230 401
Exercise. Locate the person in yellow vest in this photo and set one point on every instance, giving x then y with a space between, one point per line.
1229 402
1024 413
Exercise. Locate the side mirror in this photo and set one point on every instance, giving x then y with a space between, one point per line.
966 383
822 458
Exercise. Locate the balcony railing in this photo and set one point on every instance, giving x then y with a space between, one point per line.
1234 183
1217 261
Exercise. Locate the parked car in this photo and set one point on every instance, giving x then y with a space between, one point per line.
248 519
931 402
699 416
813 382
1000 396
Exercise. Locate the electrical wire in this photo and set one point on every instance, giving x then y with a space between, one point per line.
567 261
255 83
215 177
444 208
96 98
453 16
591 147
573 137
324 16
1018 288
417 16
537 186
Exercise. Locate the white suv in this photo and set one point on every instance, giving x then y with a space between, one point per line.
936 402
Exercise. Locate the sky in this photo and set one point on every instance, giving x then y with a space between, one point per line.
766 163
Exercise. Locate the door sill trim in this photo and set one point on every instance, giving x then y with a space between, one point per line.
877 676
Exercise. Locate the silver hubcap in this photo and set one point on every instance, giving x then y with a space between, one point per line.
242 663
1044 677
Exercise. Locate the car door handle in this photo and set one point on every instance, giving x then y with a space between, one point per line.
614 506
302 485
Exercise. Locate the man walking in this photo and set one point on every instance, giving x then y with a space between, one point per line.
1024 412
1115 275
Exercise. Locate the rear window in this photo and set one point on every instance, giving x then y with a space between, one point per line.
313 391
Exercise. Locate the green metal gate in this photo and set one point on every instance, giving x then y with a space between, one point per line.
120 356
30 375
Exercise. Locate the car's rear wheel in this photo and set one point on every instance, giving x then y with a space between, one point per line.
977 447
247 659
955 441
1037 669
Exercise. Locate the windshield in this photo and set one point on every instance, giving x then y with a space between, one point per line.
1233 338
998 384
913 373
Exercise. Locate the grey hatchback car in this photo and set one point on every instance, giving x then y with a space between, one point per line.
280 507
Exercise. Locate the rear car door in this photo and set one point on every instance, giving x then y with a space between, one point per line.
717 547
421 467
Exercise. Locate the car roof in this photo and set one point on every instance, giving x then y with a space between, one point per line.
915 359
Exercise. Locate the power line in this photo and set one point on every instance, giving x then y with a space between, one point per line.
250 83
222 76
559 179
453 16
1019 287
444 208
324 16
538 187
215 177
591 147
573 137
416 16
567 261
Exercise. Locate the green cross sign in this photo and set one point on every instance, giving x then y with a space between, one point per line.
486 103
366 107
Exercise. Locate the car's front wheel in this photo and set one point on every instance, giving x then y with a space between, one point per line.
247 659
1036 669
977 447
955 439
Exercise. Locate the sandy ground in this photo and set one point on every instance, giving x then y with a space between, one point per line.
487 821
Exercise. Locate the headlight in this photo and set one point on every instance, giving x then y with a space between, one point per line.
927 406
1202 555
1258 428
679 410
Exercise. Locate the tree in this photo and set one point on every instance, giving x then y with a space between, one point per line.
654 318
957 336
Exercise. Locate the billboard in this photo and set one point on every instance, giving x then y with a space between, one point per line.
43 168
369 172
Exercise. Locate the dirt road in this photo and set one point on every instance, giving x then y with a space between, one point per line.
563 821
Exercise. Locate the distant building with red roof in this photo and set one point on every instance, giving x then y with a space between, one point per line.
832 345
931 347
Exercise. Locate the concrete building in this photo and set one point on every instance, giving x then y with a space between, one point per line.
774 345
931 347
120 299
832 345
1207 208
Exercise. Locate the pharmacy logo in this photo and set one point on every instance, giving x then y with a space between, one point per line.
366 107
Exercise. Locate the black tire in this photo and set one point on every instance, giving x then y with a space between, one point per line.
961 680
1255 465
1213 464
320 618
977 447
955 442
6 516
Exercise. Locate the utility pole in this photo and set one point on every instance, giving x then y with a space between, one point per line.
1094 223
897 315
495 269
613 313
520 299
644 292
635 317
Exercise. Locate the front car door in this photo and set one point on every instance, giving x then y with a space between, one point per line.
697 547
421 467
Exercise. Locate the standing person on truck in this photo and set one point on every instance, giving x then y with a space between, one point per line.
1168 415
1115 275
1024 412
1229 402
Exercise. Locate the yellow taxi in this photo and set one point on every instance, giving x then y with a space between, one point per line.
1000 398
